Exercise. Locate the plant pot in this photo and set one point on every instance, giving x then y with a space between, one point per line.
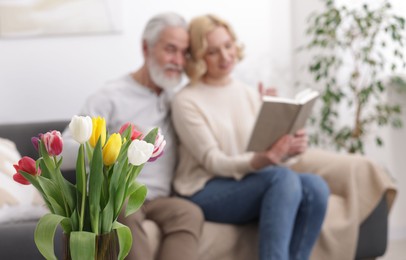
106 246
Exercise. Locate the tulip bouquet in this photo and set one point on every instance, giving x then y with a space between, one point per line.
106 170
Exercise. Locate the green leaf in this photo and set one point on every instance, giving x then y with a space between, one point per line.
137 193
127 133
107 216
124 238
118 185
34 181
45 172
378 141
151 136
56 208
95 185
47 161
59 163
44 234
54 195
82 245
68 191
74 223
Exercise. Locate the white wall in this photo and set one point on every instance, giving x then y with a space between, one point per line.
396 153
49 78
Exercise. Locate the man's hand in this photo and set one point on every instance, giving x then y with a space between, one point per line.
299 143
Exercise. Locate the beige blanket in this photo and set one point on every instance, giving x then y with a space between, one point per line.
357 185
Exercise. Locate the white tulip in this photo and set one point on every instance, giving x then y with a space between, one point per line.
81 128
139 152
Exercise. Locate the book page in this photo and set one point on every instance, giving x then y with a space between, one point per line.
306 95
280 116
274 120
305 111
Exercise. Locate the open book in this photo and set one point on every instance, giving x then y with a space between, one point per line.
279 116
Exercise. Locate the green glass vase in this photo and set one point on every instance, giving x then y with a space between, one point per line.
106 246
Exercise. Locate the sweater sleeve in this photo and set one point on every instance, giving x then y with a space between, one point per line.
196 136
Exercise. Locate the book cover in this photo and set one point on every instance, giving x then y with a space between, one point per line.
279 116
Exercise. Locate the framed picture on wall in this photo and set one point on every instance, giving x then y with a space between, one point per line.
28 18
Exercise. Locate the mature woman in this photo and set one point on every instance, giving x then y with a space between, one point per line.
213 117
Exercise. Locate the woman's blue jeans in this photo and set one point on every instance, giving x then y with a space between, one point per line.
289 206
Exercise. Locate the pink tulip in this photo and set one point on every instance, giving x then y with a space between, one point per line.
158 147
35 141
53 142
134 131
27 165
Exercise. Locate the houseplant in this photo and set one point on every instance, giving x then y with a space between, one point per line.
106 171
352 53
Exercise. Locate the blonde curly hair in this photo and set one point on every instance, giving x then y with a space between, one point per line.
198 28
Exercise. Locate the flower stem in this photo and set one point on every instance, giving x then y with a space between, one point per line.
83 191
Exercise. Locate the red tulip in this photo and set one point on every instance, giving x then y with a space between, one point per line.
53 142
27 165
134 131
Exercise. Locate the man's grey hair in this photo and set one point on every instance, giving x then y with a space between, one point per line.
158 23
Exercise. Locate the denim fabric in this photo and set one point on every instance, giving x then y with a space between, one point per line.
290 208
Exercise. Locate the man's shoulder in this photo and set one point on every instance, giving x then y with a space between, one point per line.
114 87
117 83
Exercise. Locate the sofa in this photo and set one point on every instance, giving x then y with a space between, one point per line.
218 241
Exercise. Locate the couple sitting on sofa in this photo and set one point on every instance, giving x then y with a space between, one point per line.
216 179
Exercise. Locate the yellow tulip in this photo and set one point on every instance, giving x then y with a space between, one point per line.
112 149
99 131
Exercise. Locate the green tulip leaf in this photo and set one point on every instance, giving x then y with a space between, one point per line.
151 136
54 195
44 234
117 185
124 238
47 162
57 209
95 186
137 193
107 216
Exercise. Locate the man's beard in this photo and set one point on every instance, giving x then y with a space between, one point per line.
157 74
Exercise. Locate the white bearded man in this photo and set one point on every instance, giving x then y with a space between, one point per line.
143 99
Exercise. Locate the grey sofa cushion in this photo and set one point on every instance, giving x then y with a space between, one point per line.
17 241
21 133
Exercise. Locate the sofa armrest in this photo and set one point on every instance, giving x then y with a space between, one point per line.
373 232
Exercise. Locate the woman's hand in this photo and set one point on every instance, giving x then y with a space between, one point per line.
275 155
266 91
299 143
